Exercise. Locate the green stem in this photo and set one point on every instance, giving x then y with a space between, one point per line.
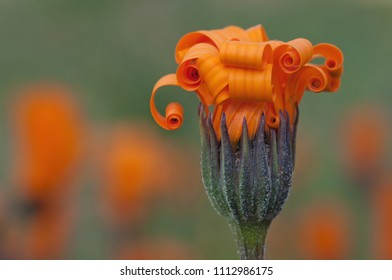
250 238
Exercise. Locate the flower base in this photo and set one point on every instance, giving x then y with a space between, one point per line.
248 181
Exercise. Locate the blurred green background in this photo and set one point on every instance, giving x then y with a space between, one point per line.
111 53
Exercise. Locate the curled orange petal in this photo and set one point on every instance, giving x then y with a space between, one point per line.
212 37
257 33
310 77
174 111
193 38
333 58
233 33
188 76
294 54
246 54
333 81
274 44
187 72
251 85
272 118
315 80
214 74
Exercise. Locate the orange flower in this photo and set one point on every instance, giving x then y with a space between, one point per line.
134 168
244 74
324 231
48 136
364 142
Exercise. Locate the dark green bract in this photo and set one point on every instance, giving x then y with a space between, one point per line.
248 182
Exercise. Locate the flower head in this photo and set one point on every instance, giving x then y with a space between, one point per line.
244 74
253 86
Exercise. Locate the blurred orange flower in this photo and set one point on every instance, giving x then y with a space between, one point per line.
244 74
382 219
364 142
48 133
135 167
324 231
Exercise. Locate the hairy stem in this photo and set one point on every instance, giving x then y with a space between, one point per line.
250 238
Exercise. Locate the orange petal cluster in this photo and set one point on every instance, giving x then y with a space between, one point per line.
234 70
